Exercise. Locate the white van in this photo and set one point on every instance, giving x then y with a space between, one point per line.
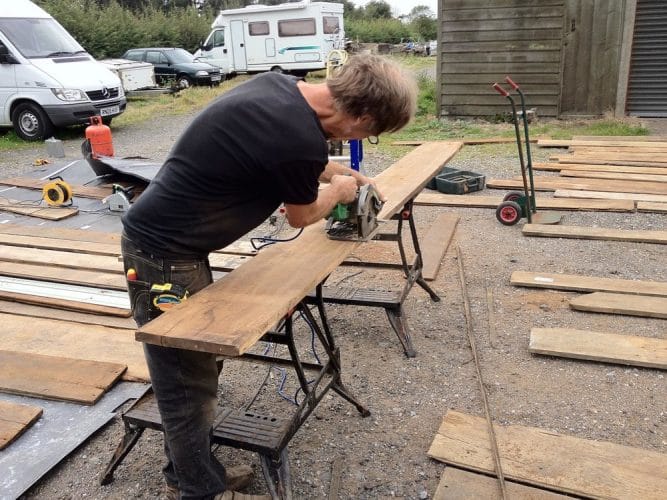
47 79
290 37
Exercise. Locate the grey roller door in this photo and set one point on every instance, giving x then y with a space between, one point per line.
647 87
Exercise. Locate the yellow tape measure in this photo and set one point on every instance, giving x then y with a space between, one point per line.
57 192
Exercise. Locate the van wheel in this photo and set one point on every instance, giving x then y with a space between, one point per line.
31 122
277 69
184 82
107 120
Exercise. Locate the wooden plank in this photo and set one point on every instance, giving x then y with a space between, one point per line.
595 233
610 195
553 183
54 377
93 192
83 277
646 159
466 141
618 303
565 143
645 206
87 247
599 346
74 340
614 175
630 169
607 161
457 484
597 150
578 283
67 305
434 245
15 419
626 138
547 459
48 213
229 316
36 311
481 201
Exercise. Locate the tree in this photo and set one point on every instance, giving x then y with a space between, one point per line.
420 11
377 9
423 24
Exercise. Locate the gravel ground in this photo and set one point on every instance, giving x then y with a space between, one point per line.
384 455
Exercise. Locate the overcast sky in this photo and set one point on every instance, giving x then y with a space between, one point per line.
402 7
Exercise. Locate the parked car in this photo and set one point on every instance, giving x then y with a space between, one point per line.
177 65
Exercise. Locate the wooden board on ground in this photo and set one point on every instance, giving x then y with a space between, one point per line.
15 419
578 283
609 195
482 201
435 243
466 140
82 277
48 213
618 303
624 176
553 183
54 377
97 193
647 206
595 233
619 143
59 258
600 346
544 458
633 138
36 311
67 305
74 340
457 484
556 167
643 160
231 315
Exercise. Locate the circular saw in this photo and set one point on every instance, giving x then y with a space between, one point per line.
356 221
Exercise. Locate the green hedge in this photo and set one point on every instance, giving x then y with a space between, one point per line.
109 30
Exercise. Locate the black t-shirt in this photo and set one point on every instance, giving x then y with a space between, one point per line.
256 146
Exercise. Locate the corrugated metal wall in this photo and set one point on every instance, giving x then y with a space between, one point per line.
647 86
483 40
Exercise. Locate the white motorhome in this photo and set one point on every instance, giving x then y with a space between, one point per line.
47 79
290 37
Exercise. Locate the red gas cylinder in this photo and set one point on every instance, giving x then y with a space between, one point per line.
99 136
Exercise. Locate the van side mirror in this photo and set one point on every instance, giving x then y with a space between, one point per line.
6 57
205 47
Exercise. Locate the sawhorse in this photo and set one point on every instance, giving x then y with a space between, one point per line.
244 429
390 301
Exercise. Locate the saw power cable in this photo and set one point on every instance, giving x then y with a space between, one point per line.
485 399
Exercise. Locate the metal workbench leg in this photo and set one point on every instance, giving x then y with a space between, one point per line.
399 323
277 476
130 438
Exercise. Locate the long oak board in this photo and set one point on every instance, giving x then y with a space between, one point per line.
231 315
74 340
623 176
553 183
609 195
539 457
630 169
48 213
55 377
435 243
618 143
595 233
15 419
599 346
485 201
619 303
578 283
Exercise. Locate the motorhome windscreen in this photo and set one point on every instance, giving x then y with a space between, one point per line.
37 38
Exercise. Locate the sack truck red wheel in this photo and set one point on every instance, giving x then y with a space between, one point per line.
513 196
508 213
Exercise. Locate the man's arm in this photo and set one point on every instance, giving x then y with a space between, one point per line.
341 189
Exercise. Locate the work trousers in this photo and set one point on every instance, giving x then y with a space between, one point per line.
184 382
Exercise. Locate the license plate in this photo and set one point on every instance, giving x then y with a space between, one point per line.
111 110
215 78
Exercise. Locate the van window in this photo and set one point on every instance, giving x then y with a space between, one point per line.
36 38
217 38
296 27
331 25
258 28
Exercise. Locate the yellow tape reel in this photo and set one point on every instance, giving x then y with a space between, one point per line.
57 193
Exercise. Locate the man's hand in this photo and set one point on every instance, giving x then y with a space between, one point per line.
363 180
346 187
